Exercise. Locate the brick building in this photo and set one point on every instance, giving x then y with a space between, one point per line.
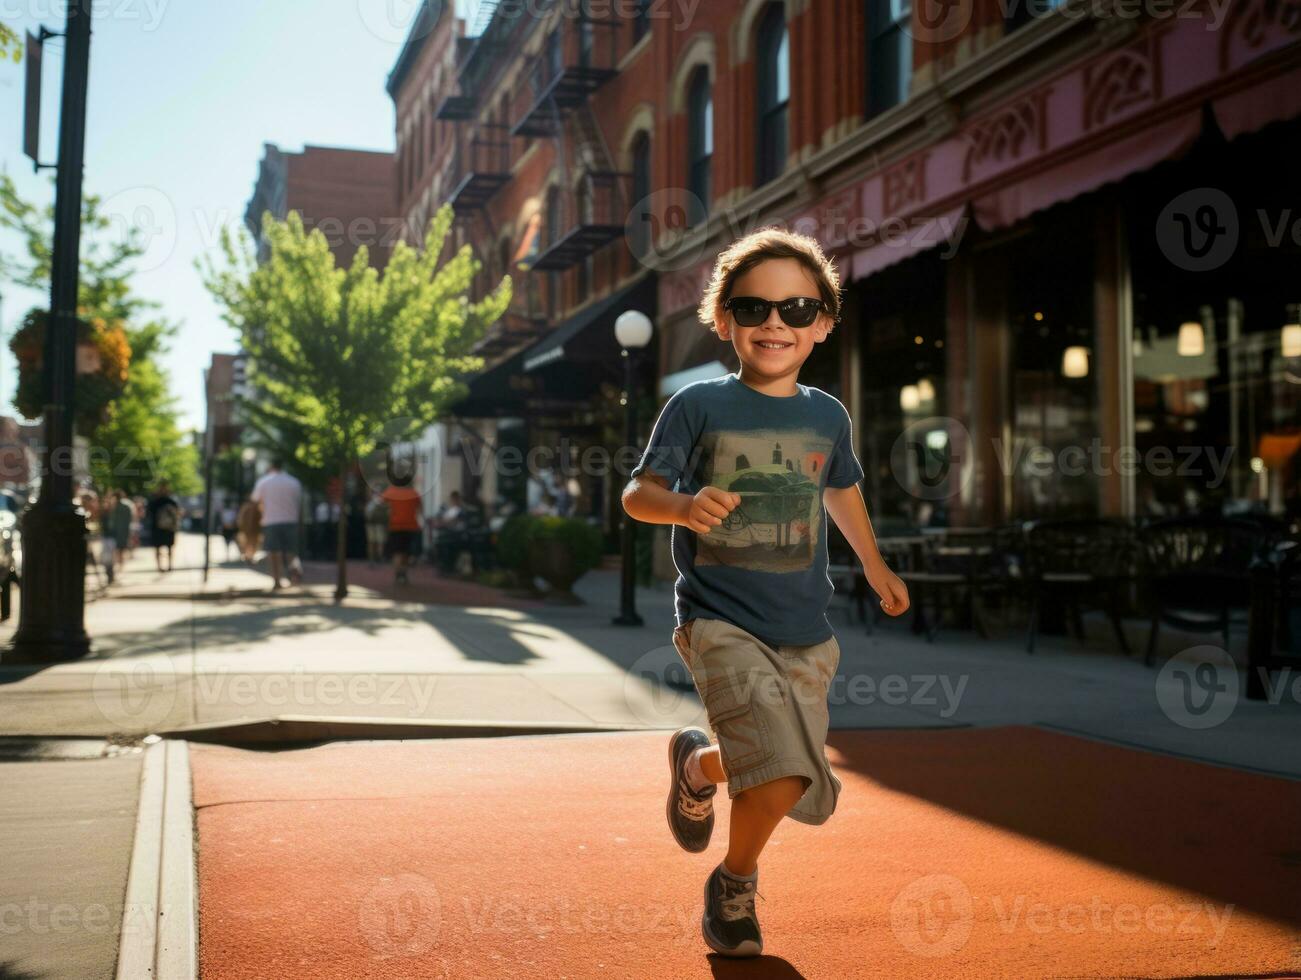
347 194
1063 229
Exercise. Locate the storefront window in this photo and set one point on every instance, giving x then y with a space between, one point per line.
1053 394
1217 355
903 384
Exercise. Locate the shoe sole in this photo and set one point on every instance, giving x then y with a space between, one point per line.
673 785
746 949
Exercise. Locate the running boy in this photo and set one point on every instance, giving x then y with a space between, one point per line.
743 467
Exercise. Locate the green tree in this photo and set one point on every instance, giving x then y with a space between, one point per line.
11 47
141 440
141 443
336 355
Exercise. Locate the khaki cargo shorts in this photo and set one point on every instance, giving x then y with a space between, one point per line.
768 708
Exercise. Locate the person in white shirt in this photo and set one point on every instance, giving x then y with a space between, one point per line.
279 496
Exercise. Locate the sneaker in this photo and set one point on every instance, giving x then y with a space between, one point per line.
729 924
690 812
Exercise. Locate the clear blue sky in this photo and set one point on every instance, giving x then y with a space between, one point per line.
183 93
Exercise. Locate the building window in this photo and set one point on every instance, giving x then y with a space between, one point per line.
700 143
774 94
553 55
889 53
585 268
641 188
585 41
553 229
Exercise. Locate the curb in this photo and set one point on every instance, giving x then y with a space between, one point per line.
285 730
159 935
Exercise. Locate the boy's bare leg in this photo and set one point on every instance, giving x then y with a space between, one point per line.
756 812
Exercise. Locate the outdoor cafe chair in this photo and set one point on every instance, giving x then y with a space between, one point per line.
1078 563
950 574
1196 572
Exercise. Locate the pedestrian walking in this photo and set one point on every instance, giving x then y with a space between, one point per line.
163 518
377 518
746 468
404 519
115 532
249 535
279 498
229 519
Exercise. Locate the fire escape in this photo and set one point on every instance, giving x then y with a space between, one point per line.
578 56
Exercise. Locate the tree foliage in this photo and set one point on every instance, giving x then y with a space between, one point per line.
11 48
138 439
342 357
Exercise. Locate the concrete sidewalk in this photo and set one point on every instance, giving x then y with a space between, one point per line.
169 662
67 822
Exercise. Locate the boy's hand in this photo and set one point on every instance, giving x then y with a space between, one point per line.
890 587
708 508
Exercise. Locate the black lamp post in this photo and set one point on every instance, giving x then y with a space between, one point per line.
633 330
52 615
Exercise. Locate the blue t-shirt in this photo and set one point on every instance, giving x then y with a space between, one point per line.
764 568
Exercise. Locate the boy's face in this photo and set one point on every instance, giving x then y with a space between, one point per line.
773 350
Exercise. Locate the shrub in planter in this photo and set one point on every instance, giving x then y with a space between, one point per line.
562 550
513 548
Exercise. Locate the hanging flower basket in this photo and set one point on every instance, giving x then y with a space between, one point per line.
103 361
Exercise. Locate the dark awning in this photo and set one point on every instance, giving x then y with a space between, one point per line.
586 338
589 335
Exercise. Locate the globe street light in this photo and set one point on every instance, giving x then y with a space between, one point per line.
633 331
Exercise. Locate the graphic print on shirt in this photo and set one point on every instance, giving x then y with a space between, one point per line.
778 474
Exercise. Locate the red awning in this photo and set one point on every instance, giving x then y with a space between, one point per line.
908 237
1253 108
1087 172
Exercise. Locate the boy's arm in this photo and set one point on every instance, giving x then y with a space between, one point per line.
647 498
846 507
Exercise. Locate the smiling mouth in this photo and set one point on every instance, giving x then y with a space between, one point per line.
773 344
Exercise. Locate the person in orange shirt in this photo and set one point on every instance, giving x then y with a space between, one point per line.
404 519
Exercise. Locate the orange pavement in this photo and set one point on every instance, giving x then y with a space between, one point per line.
1006 852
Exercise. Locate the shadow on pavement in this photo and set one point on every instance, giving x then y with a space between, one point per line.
1230 835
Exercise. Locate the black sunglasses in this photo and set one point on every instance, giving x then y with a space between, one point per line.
798 311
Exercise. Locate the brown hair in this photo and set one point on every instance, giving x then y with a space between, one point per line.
770 242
